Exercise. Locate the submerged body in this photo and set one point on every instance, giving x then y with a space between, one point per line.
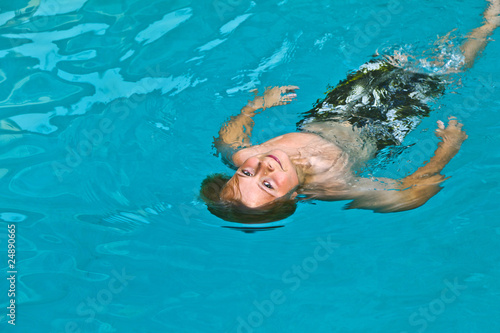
372 109
312 167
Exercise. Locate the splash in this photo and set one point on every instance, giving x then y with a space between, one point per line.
441 57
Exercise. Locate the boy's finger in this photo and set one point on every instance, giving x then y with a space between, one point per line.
286 89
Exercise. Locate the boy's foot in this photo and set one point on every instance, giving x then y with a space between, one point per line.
492 14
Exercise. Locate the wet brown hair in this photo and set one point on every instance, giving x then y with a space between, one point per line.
222 202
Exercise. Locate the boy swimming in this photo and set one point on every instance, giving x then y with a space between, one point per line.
374 108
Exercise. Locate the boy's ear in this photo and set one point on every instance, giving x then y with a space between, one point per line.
294 194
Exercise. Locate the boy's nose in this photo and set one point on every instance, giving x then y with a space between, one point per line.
266 168
270 166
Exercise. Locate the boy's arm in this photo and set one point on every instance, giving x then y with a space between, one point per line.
386 195
235 134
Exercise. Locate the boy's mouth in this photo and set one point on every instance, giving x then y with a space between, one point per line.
276 159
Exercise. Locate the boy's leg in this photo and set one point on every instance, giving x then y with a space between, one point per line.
478 38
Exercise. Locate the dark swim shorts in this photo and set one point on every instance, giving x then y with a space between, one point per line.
384 101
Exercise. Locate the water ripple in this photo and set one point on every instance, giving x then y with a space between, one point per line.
158 29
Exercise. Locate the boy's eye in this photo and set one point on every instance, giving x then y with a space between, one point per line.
246 173
268 185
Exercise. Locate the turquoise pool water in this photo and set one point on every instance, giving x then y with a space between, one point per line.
108 111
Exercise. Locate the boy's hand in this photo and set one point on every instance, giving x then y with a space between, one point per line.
279 96
452 135
272 97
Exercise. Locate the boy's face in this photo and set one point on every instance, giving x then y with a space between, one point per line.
263 178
